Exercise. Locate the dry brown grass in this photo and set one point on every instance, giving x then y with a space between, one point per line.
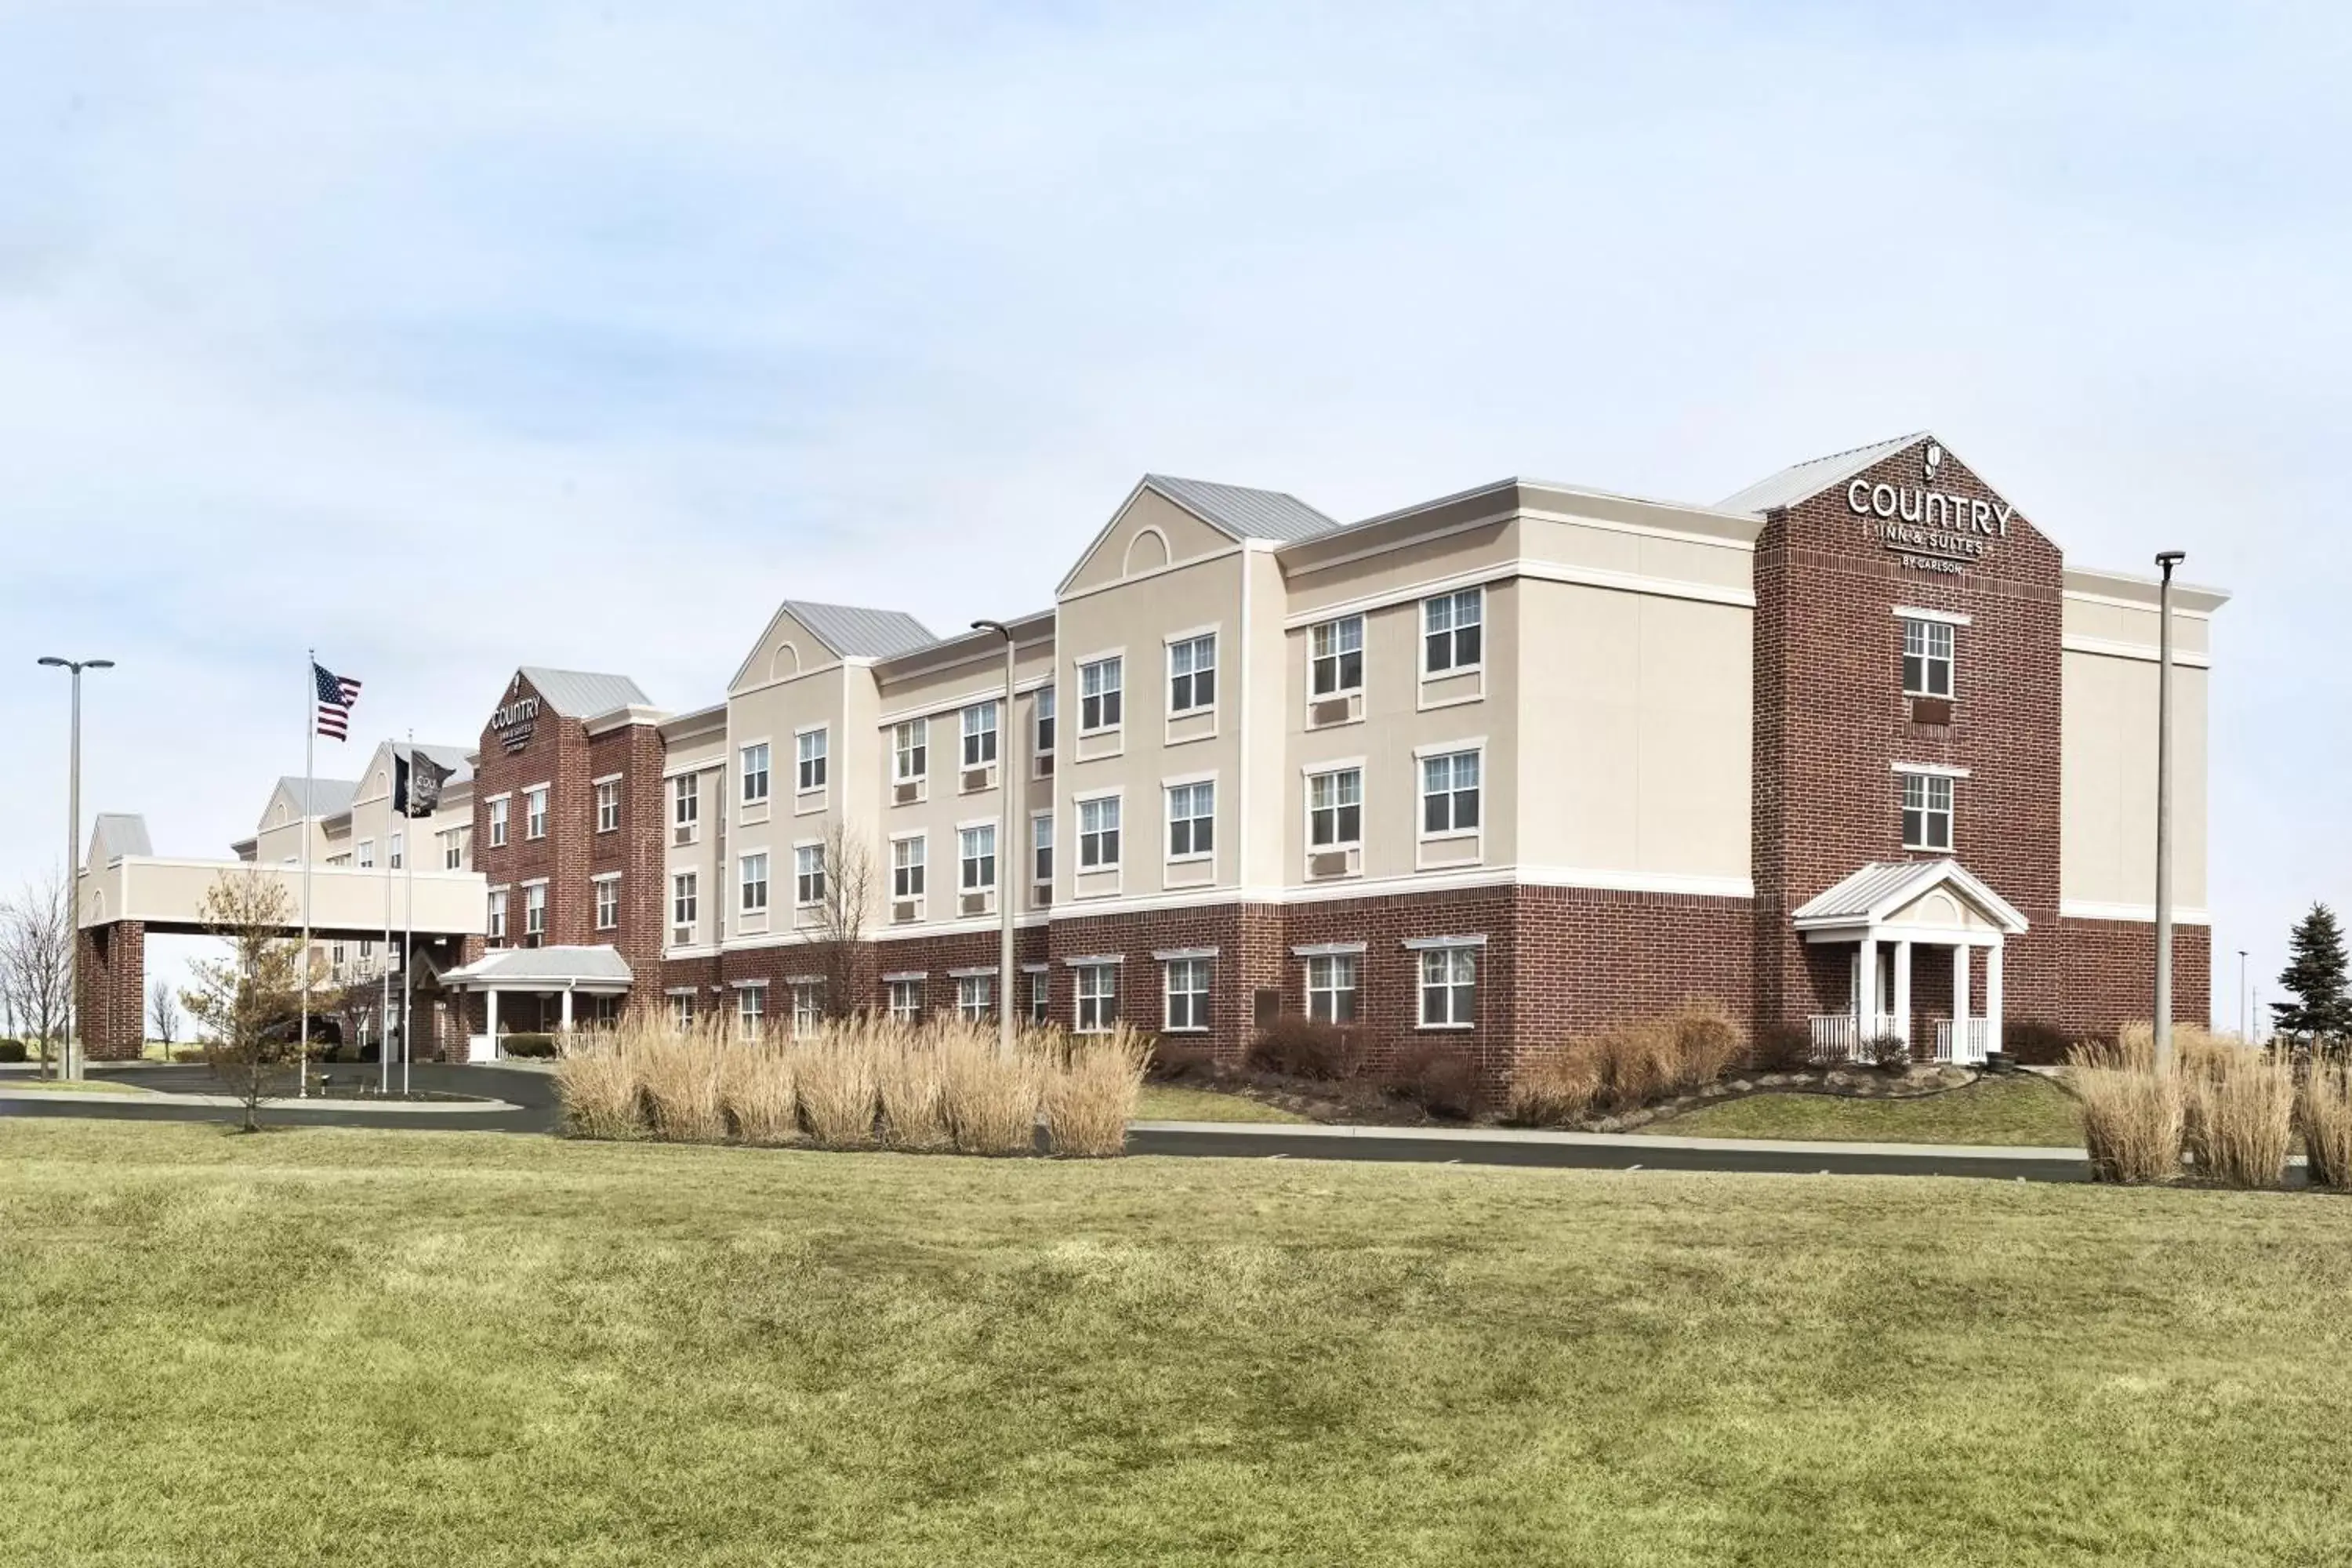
1091 1086
2229 1105
758 1093
2133 1118
2239 1117
906 1075
2195 1050
836 1079
990 1101
596 1083
2323 1111
681 1081
1629 1066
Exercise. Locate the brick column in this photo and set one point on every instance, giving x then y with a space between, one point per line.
112 1003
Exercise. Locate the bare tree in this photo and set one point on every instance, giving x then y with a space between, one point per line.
248 1000
836 930
163 1013
37 938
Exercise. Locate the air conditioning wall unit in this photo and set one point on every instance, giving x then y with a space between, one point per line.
1331 863
906 792
974 903
679 936
682 835
1338 709
903 910
1042 894
978 779
1045 764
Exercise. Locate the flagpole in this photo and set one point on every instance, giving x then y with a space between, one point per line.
399 815
408 914
310 790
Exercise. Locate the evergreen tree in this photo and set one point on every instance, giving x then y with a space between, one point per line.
2313 976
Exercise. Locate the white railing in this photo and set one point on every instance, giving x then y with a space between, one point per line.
1837 1040
1974 1040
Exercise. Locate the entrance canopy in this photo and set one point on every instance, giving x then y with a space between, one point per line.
1888 909
596 971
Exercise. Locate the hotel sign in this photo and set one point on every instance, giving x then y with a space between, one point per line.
514 722
1931 530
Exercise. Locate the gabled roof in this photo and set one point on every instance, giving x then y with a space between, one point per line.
581 694
1882 888
1241 512
118 832
852 631
1809 478
326 798
555 967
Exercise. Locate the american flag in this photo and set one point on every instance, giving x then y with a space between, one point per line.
336 695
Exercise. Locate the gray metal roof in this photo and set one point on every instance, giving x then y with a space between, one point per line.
1881 887
1809 478
1243 512
581 694
554 967
328 797
118 832
852 631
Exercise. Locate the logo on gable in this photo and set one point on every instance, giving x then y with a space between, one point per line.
1930 530
1935 459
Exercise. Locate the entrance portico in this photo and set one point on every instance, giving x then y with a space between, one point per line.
540 985
1887 911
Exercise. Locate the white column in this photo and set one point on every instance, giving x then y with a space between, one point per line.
490 1013
1865 990
1992 997
1960 1001
567 1010
1902 990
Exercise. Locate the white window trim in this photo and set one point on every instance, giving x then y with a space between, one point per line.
605 876
817 845
742 802
1363 659
1167 990
1182 780
1428 943
547 814
1948 617
1181 955
1932 770
1420 797
768 879
1421 986
1420 637
974 824
1078 686
1329 949
606 779
1168 672
1116 868
1307 775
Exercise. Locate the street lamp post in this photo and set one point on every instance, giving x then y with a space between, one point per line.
72 1063
2165 561
1007 754
2242 1036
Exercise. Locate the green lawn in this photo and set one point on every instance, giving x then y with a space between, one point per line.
1180 1102
10 1082
2020 1111
377 1348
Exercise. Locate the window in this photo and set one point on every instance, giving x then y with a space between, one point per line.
534 813
452 849
497 822
608 903
366 853
906 1000
1927 659
1188 995
367 950
1927 811
682 899
812 761
499 915
755 884
750 1006
1335 655
755 773
1041 850
1334 807
1041 998
1193 674
980 734
684 801
1449 793
608 806
398 846
910 749
808 875
975 997
1450 625
808 1006
1449 987
1098 997
335 860
335 956
1098 832
534 910
907 856
1191 820
1045 720
1331 988
681 1009
1098 692
976 849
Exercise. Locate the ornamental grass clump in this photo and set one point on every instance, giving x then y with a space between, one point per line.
908 1082
1092 1083
757 1093
838 1083
2133 1117
1629 1066
596 1083
680 1071
2324 1115
1556 1088
990 1101
2239 1117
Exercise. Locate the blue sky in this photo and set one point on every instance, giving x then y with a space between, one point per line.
451 337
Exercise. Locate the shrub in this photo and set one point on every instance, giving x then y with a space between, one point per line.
2133 1117
2323 1111
533 1045
835 1082
1440 1081
1781 1047
596 1083
1646 1059
990 1101
188 1054
755 1093
1091 1099
1557 1087
11 1051
1298 1046
1706 1042
2033 1042
1172 1061
681 1085
2239 1118
1892 1052
906 1081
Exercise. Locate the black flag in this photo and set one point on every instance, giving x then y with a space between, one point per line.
416 781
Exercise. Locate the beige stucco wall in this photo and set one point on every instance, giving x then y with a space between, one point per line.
1132 544
1636 726
2087 617
171 893
700 754
2107 772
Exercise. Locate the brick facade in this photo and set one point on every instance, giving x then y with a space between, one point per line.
111 977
